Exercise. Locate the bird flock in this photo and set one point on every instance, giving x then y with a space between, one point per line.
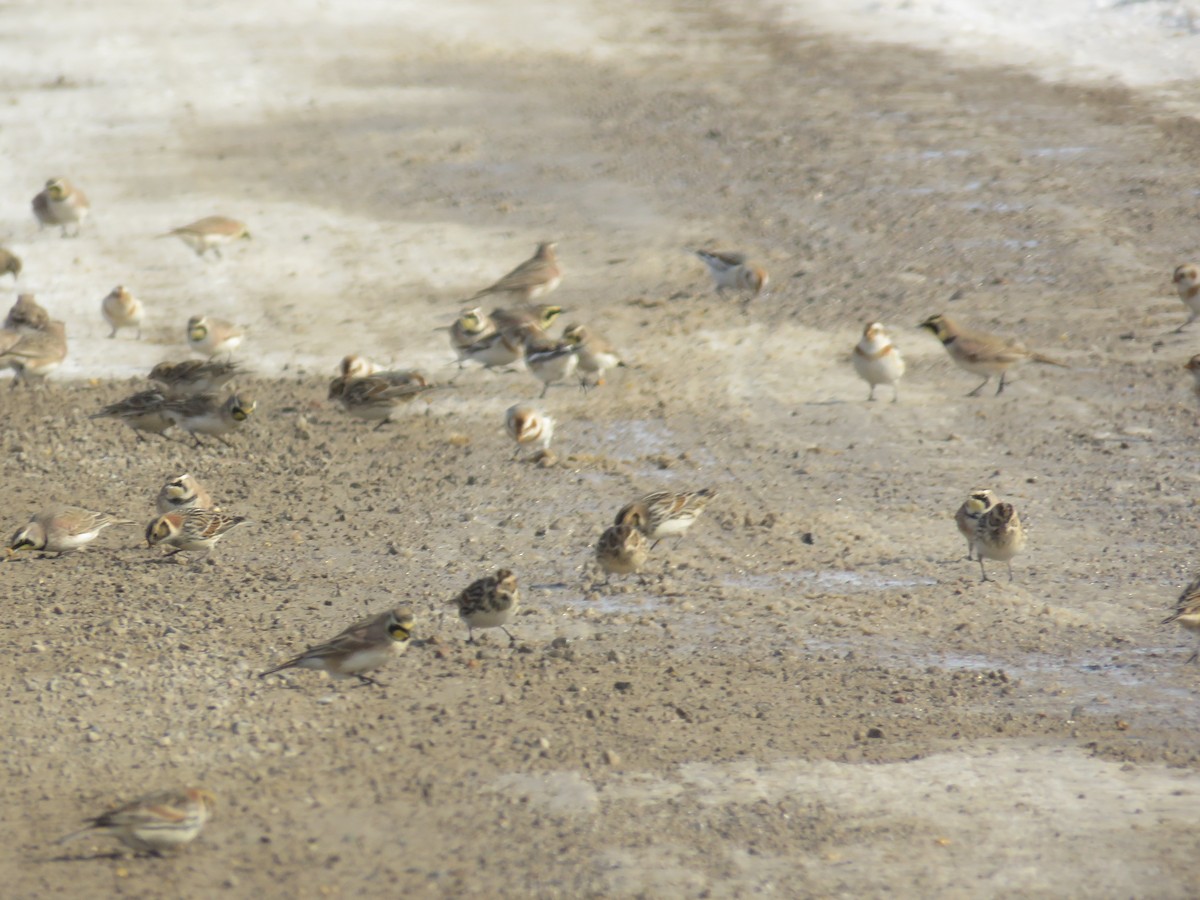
184 396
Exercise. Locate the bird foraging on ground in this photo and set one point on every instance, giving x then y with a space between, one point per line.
194 376
1187 612
191 529
596 355
144 412
10 263
205 414
164 820
622 548
364 646
734 272
665 513
61 203
529 427
376 398
122 310
981 353
62 529
210 336
490 602
210 233
968 515
999 536
181 493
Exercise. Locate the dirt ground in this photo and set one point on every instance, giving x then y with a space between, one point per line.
813 694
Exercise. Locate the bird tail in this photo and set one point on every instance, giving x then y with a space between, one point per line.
1037 357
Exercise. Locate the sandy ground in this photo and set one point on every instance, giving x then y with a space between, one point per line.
813 693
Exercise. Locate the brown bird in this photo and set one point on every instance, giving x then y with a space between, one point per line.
982 353
35 354
210 233
538 275
10 263
61 203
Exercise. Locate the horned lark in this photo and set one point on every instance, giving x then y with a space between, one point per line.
209 337
357 366
529 427
968 516
165 820
191 529
61 203
181 493
982 353
549 360
144 411
595 355
35 354
10 263
194 376
497 350
1187 282
364 646
877 361
210 233
531 318
472 325
622 549
205 414
1187 612
733 271
663 513
538 275
122 310
490 602
62 529
27 315
377 397
999 536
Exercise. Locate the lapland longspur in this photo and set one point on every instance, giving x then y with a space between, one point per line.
529 427
210 336
194 376
877 361
377 397
1187 612
122 310
596 355
191 529
734 271
549 360
164 820
665 513
10 263
1000 536
538 275
210 233
364 646
62 529
181 493
1187 283
490 602
981 353
622 548
472 325
35 354
61 203
145 411
205 414
968 515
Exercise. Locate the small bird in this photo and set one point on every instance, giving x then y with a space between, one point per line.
357 366
122 310
194 376
144 412
596 355
982 353
62 529
191 529
968 515
490 602
61 203
622 548
35 354
1187 282
733 271
10 263
529 318
877 361
164 820
205 414
181 493
664 513
550 360
209 336
999 536
529 427
1187 612
1193 366
377 397
471 325
538 275
27 315
210 233
364 646
497 350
